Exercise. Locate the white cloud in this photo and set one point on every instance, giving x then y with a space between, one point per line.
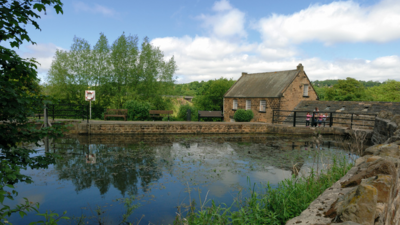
344 21
204 58
222 5
96 8
43 53
227 22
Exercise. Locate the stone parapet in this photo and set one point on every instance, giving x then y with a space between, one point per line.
195 128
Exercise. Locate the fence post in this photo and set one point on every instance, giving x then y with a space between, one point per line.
87 113
331 119
53 111
45 116
294 119
351 121
188 115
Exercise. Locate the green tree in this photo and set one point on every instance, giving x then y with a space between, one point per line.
19 95
117 73
347 90
388 91
210 96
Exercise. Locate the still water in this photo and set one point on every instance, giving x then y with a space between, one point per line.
95 175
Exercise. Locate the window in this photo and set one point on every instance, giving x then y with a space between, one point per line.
234 104
263 105
248 104
305 90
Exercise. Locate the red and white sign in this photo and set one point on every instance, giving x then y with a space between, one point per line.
90 95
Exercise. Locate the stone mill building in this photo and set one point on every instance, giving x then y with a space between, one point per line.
264 92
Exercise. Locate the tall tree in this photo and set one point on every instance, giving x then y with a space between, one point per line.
117 73
19 95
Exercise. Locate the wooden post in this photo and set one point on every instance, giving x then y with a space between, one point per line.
351 121
331 119
46 122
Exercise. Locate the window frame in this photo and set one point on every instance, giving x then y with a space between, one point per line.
261 105
248 104
234 104
305 90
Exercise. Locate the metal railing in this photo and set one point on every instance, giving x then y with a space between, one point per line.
65 110
343 119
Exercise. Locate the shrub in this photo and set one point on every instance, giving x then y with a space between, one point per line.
171 118
137 110
182 112
242 115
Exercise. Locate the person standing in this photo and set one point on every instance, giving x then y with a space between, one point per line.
308 116
320 119
324 118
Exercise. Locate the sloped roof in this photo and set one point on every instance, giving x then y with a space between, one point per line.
270 84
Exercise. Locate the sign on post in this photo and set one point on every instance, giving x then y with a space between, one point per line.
90 96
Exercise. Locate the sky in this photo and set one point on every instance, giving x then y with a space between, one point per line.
213 39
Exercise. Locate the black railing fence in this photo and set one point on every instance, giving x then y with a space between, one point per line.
342 119
74 111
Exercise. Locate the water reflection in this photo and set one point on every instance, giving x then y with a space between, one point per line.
160 170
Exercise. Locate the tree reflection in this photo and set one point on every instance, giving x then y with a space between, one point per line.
123 167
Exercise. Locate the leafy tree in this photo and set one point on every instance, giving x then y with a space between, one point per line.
117 73
19 95
210 96
347 90
389 91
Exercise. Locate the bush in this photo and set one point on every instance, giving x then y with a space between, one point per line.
242 115
137 110
182 112
171 118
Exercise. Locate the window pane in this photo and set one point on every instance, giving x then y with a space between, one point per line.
263 105
248 104
235 105
305 90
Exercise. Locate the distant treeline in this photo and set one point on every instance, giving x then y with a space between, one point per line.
349 89
330 83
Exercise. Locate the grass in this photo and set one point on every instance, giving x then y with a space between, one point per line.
269 205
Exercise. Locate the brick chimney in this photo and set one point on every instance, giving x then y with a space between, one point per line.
244 73
300 67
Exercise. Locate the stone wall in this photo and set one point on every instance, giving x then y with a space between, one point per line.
193 128
387 128
293 94
272 103
368 194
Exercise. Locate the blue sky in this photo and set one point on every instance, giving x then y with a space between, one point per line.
213 39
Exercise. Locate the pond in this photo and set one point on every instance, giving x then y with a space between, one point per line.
97 177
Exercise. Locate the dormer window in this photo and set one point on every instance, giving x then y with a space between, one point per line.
305 90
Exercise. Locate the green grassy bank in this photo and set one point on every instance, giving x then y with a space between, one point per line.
267 205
